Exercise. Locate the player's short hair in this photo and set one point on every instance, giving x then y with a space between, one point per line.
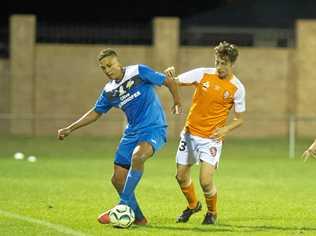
227 51
107 52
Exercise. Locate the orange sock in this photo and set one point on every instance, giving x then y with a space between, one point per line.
211 203
190 195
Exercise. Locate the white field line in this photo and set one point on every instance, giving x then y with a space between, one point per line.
59 228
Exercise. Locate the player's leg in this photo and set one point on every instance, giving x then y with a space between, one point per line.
119 177
118 180
210 192
148 143
142 152
185 182
209 154
185 160
187 187
122 164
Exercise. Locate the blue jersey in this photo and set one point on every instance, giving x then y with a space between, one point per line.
135 95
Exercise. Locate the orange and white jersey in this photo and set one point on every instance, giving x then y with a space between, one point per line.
212 100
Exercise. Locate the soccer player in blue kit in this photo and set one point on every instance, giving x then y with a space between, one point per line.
131 89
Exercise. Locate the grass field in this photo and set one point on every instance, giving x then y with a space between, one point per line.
261 191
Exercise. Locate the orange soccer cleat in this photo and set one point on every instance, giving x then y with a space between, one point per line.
104 218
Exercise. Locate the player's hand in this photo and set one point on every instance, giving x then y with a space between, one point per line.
219 133
311 151
62 133
176 109
170 72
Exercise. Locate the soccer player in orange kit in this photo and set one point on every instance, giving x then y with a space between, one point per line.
217 90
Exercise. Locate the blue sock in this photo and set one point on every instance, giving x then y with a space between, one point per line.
134 205
131 182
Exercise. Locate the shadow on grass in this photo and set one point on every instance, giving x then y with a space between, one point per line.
225 228
186 229
267 227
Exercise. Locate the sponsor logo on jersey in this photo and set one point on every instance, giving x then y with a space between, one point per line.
226 94
121 90
205 85
129 84
128 98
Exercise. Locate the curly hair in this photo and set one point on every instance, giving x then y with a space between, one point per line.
107 52
227 51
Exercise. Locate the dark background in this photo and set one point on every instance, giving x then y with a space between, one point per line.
130 22
104 10
260 13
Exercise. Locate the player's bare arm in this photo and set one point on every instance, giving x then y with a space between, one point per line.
311 151
171 84
223 131
86 119
181 84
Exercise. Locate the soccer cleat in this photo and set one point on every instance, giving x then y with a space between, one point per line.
186 214
142 221
209 219
104 218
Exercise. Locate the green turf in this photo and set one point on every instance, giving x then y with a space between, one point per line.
261 191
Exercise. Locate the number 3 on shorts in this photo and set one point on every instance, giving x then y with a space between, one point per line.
182 145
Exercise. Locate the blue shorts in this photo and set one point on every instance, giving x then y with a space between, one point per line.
156 137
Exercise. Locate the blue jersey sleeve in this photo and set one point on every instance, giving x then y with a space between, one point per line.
148 74
102 105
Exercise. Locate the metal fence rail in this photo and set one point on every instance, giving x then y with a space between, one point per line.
242 36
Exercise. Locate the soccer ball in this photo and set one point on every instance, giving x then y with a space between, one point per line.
18 156
122 216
